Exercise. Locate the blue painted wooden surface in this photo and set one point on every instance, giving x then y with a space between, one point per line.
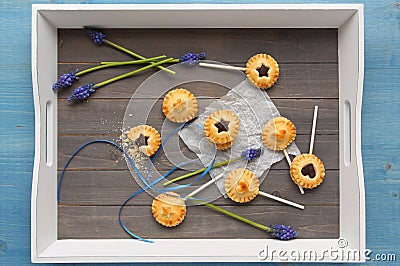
380 123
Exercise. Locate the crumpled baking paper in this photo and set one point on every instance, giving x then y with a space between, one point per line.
254 108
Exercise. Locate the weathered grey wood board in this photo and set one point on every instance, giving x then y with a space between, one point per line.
98 180
100 187
200 222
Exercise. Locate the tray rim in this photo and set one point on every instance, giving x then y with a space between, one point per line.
44 244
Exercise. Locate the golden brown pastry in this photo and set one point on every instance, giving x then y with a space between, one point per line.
169 209
262 70
307 171
147 138
241 185
222 127
180 105
278 133
221 147
224 146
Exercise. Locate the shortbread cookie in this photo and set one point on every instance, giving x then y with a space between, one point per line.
169 209
222 126
241 185
307 171
147 138
278 133
262 70
180 105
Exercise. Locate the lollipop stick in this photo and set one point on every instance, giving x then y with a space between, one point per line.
290 162
287 157
205 185
288 202
222 66
314 124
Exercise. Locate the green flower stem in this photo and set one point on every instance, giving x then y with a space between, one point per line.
231 214
200 171
132 73
129 62
133 54
118 64
134 62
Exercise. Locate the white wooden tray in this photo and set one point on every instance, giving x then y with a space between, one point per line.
46 19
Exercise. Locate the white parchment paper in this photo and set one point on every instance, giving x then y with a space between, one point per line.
254 108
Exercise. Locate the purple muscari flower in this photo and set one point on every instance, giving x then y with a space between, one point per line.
283 232
251 154
192 58
96 36
81 93
65 80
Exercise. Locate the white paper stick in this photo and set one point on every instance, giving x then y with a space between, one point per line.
314 124
205 185
222 66
281 200
287 157
290 162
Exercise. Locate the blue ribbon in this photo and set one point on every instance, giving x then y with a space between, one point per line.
209 167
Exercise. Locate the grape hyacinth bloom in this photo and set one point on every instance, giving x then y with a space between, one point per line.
251 154
247 155
100 38
279 231
96 36
283 232
192 58
66 80
81 93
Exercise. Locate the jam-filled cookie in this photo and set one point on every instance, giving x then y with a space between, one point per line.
222 127
262 70
147 138
278 133
168 209
180 105
241 185
307 171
